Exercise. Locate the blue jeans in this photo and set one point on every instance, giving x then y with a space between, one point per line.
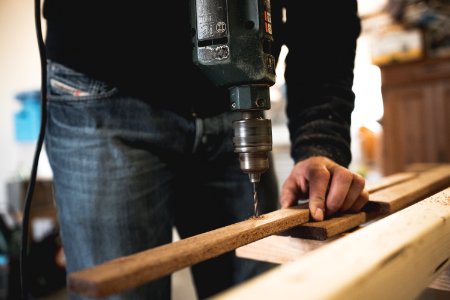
125 172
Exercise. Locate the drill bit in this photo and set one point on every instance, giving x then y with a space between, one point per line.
255 199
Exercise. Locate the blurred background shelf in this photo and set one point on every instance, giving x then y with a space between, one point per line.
416 123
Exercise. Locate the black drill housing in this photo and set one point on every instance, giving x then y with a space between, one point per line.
232 44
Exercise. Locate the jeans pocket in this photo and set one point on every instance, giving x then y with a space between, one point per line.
64 83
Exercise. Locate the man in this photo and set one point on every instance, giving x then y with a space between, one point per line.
131 158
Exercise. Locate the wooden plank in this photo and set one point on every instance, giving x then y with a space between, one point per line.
283 248
390 180
290 248
381 203
401 195
130 271
328 228
393 258
279 249
442 282
420 167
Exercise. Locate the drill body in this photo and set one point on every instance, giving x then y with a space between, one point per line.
232 41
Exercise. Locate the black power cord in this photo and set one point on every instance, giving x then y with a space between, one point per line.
40 142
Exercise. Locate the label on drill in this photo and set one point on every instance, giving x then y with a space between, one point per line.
267 17
211 19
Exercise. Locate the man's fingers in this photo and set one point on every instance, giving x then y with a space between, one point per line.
294 188
289 192
339 188
355 190
318 178
330 187
360 202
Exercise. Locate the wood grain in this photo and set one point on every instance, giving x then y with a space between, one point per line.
381 203
130 271
396 257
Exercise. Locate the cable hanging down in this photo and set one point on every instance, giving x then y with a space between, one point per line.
39 144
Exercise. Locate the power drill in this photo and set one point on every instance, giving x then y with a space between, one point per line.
232 45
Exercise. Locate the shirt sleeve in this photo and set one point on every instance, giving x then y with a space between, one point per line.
321 38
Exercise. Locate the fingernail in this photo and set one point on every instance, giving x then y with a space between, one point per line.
318 214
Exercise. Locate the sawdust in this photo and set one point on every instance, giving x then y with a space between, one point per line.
443 199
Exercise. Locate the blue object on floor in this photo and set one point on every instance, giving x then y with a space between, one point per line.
27 120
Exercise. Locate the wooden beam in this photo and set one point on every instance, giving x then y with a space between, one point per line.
130 271
381 203
393 258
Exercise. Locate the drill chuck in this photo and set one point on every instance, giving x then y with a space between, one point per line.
253 141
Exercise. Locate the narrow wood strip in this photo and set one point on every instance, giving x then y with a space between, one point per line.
130 271
390 180
396 257
381 203
401 195
328 228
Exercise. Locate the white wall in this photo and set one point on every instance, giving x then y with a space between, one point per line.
19 71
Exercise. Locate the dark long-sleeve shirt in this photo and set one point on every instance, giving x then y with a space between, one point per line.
145 46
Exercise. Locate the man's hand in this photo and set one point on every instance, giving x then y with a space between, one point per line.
329 186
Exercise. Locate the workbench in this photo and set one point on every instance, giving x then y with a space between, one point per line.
395 255
393 249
